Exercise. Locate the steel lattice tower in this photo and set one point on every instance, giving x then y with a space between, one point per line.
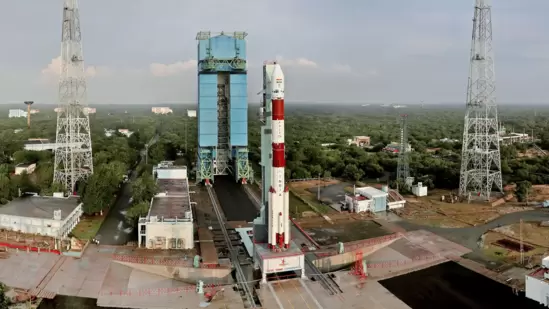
73 153
403 169
480 161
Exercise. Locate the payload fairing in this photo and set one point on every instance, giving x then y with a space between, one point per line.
279 214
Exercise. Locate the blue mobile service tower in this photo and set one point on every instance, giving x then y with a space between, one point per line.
222 107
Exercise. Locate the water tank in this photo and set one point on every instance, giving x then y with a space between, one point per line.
385 188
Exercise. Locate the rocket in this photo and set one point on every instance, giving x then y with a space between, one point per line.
279 214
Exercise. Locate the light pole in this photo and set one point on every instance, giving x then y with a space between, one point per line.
318 188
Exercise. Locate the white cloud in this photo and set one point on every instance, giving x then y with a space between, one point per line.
160 70
54 69
298 62
343 68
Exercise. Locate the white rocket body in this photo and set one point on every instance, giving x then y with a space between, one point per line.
279 211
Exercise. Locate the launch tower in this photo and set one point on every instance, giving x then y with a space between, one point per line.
73 153
222 107
480 159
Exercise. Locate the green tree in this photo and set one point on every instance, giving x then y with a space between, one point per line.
137 210
143 188
4 301
523 190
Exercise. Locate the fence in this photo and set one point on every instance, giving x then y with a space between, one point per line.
352 246
161 261
28 248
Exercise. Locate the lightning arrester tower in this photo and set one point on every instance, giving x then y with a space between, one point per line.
403 168
73 153
480 160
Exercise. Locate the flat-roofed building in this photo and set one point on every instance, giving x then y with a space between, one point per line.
169 223
50 216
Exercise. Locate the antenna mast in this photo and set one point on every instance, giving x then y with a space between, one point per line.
403 169
73 153
480 160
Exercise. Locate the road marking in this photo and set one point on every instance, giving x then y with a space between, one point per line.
310 294
275 296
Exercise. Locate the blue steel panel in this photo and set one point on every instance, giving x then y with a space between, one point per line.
241 45
223 47
207 79
238 128
207 110
202 49
207 115
238 115
208 102
239 140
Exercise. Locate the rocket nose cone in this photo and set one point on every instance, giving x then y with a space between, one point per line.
277 72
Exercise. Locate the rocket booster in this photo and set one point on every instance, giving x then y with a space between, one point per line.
279 214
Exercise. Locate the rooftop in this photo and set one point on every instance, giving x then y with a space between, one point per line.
173 186
39 207
24 164
371 191
173 201
34 141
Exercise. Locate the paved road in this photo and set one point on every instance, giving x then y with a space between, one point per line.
469 236
115 230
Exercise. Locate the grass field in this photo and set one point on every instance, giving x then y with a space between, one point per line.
301 189
88 227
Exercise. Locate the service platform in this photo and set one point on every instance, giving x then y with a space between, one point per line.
278 262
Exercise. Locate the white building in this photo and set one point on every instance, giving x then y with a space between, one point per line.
191 113
23 167
34 111
16 113
41 144
169 223
537 284
374 200
125 132
419 189
50 216
162 110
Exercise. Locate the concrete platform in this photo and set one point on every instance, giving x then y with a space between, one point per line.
26 270
81 277
292 293
370 294
125 287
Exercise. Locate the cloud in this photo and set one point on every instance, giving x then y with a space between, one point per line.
298 62
161 70
54 69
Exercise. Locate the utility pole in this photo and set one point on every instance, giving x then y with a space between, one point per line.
480 159
521 245
318 189
73 153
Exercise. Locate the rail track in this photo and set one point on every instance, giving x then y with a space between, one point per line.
240 277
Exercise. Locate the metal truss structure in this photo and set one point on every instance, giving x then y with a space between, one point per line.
480 160
73 153
403 169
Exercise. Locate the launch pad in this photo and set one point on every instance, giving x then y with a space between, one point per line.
292 259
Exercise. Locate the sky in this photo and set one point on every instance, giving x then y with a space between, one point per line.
352 51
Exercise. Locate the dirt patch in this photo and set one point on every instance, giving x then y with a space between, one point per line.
532 233
330 234
307 184
432 211
492 248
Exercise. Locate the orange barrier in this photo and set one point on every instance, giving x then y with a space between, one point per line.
25 248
